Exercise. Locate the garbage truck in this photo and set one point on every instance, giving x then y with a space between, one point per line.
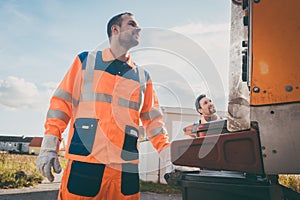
242 155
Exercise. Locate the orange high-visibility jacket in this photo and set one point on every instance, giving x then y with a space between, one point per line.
105 100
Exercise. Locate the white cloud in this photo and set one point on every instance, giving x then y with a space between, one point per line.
16 93
50 85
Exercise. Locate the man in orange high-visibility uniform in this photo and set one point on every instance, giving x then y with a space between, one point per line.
104 96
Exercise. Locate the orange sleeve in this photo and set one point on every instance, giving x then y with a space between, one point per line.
152 119
60 110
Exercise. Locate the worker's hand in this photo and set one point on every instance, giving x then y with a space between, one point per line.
48 158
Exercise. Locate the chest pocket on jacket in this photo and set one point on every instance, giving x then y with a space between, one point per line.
84 135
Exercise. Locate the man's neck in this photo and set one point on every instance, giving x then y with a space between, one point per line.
119 53
212 117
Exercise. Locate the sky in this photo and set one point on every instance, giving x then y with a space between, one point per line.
184 45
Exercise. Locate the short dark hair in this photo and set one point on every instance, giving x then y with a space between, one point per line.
116 20
197 103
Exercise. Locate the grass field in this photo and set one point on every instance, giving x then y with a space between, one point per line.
20 171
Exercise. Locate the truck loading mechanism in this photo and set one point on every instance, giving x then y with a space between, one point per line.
243 155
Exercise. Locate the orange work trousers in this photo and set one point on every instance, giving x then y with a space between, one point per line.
87 181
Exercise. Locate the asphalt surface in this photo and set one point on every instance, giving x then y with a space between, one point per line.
49 191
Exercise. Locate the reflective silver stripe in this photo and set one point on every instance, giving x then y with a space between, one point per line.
58 115
128 104
88 94
142 87
62 94
152 114
157 131
99 97
75 102
102 97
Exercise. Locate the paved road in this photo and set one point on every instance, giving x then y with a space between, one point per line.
49 191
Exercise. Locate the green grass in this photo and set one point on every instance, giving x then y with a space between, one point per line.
18 171
147 186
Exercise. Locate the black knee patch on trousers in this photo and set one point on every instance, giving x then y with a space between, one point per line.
130 183
85 178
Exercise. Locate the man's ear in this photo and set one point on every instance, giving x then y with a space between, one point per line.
115 29
200 110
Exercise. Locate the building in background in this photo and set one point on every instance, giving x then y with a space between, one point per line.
35 145
15 144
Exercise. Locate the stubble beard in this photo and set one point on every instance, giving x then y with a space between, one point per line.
212 110
129 42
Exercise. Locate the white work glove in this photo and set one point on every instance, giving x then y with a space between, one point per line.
48 157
